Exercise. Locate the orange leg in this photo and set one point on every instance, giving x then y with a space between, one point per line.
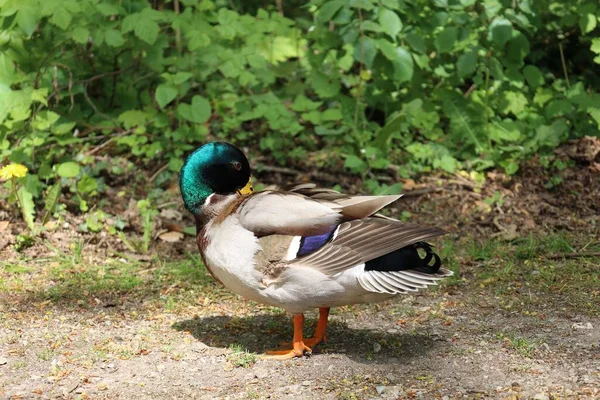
298 347
320 330
319 335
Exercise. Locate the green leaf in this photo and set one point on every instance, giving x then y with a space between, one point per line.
587 22
595 114
27 19
390 22
51 200
401 59
463 120
68 169
61 129
416 42
552 135
466 64
133 118
303 104
61 18
533 76
365 51
114 38
107 9
447 163
510 166
147 30
445 40
500 31
198 112
392 125
27 207
80 34
354 163
165 93
328 10
197 40
512 102
371 26
506 130
364 4
403 65
332 114
324 85
87 185
558 108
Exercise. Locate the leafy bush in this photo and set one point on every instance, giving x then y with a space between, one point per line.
422 84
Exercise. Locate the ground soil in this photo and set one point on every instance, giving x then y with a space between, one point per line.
460 341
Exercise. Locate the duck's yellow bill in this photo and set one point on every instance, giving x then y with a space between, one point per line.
247 189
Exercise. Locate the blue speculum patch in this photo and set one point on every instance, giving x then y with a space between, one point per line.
309 244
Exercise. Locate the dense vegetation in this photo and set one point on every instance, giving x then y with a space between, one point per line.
404 84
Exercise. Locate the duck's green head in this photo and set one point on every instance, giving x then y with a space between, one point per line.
215 168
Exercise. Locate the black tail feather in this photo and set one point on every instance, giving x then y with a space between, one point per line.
407 258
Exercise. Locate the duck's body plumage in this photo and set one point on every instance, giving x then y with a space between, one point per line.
291 251
305 247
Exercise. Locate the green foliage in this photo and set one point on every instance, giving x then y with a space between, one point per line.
240 357
51 201
148 213
447 84
27 207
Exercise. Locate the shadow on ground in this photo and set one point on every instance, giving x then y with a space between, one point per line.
264 332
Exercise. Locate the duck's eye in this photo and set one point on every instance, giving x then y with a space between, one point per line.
236 165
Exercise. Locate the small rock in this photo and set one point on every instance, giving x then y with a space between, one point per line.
261 374
306 383
292 388
541 396
3 360
376 347
535 272
380 389
581 325
392 331
515 384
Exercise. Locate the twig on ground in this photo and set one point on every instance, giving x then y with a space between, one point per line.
574 255
108 142
420 192
158 171
91 103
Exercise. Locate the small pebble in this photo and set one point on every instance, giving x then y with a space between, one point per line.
376 347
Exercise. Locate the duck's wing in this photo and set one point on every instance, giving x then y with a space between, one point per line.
291 213
385 254
315 192
360 241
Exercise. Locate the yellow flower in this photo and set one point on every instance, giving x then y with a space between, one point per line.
13 171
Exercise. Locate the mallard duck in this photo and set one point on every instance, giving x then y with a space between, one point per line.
304 248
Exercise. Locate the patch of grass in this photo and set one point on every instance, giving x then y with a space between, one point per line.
523 276
240 357
72 281
19 365
479 250
529 247
448 253
45 354
522 345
